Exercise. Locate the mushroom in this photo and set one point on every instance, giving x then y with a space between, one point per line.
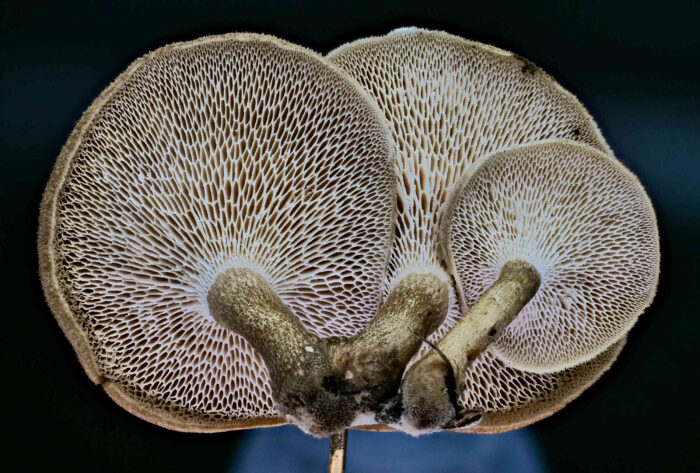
555 233
450 101
214 236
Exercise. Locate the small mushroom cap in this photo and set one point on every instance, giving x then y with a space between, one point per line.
236 150
450 101
586 224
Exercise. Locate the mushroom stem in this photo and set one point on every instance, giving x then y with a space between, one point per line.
243 301
336 459
373 361
429 389
323 384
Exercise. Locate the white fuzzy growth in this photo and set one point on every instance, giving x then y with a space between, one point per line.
406 427
403 30
364 418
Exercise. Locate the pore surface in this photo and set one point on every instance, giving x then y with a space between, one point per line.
588 227
449 101
240 150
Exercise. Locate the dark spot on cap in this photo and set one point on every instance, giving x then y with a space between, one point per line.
577 132
295 401
527 66
492 332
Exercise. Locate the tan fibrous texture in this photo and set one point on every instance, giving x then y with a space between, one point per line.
449 101
511 399
375 359
240 150
588 227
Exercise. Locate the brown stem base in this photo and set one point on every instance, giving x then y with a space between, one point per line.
323 384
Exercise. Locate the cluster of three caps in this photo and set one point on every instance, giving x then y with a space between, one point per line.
246 151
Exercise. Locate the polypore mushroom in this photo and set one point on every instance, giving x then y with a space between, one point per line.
583 222
556 233
450 101
215 192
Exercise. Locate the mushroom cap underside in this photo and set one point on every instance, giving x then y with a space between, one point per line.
583 221
450 101
235 150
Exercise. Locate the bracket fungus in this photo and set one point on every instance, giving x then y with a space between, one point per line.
554 242
240 232
230 184
579 219
450 101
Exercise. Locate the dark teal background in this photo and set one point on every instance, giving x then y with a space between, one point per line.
636 67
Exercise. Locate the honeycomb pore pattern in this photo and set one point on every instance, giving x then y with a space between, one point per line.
240 150
449 101
585 223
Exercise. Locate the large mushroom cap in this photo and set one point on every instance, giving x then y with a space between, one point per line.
583 221
449 101
238 150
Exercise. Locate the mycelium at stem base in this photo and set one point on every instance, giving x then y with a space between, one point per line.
431 387
323 384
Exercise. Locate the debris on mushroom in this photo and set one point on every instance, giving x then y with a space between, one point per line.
217 227
507 399
529 226
450 101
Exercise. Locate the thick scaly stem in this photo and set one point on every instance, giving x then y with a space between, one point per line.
336 459
323 384
429 389
243 301
373 361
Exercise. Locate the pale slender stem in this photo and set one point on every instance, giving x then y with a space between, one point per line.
336 459
429 402
491 313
